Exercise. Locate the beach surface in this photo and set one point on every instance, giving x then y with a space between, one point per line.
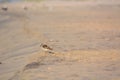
85 37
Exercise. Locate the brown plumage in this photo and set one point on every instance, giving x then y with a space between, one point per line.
4 8
46 48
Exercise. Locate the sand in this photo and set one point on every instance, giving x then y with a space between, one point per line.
85 36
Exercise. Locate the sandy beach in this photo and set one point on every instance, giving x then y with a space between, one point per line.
85 36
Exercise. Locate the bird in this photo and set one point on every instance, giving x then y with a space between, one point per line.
46 48
25 7
0 62
4 8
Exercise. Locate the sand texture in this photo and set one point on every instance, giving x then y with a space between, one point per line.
85 37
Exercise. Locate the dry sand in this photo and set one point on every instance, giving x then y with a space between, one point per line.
85 36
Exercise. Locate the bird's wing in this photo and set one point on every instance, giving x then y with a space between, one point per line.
49 48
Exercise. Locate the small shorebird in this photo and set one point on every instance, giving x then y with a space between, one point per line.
4 8
25 7
46 48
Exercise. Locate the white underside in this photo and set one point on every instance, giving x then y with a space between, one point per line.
45 49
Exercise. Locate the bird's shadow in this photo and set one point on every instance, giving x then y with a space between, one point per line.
32 65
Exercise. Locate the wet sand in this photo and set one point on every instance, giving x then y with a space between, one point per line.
84 35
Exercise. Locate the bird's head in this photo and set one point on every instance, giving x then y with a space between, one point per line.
41 45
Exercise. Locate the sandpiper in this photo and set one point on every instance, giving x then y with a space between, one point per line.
4 8
46 48
25 7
